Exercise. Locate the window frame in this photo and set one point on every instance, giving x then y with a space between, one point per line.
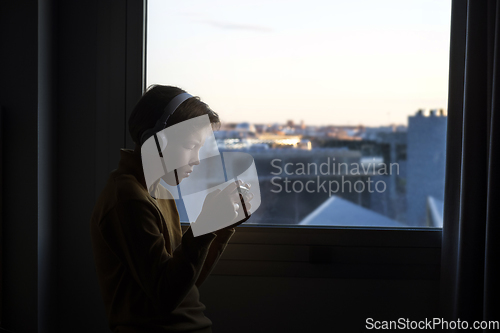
321 252
325 251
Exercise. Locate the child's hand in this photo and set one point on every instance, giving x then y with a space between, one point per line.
223 207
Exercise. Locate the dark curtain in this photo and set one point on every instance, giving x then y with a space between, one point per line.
470 276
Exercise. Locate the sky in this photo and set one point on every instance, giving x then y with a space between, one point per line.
359 62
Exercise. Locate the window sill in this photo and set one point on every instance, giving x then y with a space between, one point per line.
332 252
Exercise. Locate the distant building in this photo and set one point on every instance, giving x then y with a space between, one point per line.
304 144
392 202
373 133
261 128
425 163
245 127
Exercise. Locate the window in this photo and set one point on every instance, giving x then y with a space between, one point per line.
341 104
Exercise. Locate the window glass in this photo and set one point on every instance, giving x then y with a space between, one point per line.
342 104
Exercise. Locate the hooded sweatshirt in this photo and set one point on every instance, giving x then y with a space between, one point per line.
149 272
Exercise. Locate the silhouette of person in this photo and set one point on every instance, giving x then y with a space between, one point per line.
149 272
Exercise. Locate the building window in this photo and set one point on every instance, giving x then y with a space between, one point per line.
341 104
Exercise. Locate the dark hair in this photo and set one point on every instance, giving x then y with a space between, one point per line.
150 108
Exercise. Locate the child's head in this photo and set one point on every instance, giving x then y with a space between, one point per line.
151 107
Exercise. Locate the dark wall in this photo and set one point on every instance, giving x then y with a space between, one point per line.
78 299
276 304
66 87
94 98
18 99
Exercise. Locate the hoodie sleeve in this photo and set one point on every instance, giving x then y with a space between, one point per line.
216 249
132 230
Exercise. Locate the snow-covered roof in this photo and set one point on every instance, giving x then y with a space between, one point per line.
340 212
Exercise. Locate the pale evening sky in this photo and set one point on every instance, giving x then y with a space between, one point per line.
325 62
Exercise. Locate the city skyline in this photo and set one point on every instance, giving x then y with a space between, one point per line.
285 123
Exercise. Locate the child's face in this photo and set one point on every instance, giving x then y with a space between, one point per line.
184 150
